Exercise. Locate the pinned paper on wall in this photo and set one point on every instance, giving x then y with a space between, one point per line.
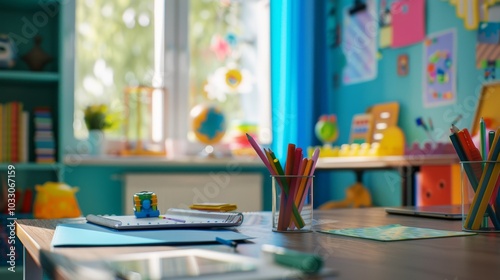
385 37
385 25
408 22
488 33
359 44
488 48
403 64
439 77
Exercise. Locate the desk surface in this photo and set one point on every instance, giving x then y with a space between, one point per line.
470 257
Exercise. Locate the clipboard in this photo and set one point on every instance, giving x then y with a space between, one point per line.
174 218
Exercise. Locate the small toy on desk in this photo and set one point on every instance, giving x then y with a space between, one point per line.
146 204
55 200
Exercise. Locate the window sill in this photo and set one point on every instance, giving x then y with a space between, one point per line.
109 160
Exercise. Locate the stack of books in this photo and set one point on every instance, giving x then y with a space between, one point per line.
44 136
13 132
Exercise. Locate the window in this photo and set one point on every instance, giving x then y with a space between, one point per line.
198 51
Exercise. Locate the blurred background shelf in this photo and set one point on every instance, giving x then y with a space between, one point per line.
32 166
29 76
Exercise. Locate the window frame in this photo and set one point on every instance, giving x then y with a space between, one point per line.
175 65
171 74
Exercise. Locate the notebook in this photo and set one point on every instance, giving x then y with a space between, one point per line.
453 212
173 218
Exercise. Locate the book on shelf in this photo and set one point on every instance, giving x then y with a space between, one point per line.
13 132
44 143
24 157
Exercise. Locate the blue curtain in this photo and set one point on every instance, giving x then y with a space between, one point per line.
292 73
299 84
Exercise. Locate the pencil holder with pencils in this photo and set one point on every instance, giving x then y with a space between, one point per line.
292 189
480 196
292 206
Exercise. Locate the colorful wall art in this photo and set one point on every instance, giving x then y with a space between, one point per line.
440 67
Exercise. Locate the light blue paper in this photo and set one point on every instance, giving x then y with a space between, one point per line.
93 235
396 232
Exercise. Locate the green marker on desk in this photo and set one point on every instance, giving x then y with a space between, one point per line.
305 262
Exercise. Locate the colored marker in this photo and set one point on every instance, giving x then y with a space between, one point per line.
230 243
306 262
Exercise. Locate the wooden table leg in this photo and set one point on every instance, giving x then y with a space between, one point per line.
31 270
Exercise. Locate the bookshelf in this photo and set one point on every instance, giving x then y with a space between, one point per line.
24 20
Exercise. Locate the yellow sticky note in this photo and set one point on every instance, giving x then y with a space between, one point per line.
218 207
385 39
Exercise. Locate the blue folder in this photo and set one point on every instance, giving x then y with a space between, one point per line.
80 235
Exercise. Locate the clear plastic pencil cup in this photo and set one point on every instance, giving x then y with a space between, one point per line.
480 196
292 205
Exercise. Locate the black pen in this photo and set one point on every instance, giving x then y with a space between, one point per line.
230 243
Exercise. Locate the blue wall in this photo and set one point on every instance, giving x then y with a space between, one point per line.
388 86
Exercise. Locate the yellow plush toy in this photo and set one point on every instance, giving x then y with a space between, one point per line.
357 196
55 200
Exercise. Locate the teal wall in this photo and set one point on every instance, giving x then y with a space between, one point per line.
388 86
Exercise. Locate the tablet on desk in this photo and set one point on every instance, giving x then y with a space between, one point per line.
452 212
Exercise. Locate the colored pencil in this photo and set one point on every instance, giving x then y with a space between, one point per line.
314 159
281 176
297 157
259 152
471 153
482 137
303 181
300 171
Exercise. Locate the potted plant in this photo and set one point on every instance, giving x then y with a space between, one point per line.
97 119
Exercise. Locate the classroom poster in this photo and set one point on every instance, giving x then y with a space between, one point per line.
440 65
408 22
488 45
359 44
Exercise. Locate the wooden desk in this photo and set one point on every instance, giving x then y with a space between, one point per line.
470 257
407 166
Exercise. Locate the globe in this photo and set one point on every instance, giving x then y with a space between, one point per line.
326 129
208 123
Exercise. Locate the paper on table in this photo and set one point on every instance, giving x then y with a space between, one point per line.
94 235
396 232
